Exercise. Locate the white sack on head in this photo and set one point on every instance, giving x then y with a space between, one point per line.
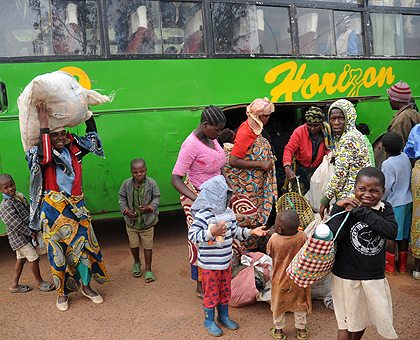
68 101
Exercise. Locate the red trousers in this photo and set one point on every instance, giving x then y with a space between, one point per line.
216 286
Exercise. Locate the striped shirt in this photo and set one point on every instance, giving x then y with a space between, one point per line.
212 257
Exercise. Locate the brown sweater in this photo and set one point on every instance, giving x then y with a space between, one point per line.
286 296
403 121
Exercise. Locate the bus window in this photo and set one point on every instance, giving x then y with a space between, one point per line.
395 34
330 32
240 28
348 37
315 27
20 28
395 3
137 27
75 27
182 27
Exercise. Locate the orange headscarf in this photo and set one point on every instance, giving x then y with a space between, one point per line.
255 110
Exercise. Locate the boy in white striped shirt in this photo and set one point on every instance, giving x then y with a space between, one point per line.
214 259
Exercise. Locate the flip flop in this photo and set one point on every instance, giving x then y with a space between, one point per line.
272 332
46 287
299 333
136 269
21 289
149 277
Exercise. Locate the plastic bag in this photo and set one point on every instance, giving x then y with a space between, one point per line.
319 181
68 101
42 246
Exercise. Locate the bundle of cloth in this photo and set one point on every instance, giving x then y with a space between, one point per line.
68 100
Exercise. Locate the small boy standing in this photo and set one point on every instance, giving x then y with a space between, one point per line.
397 171
14 212
139 199
360 290
286 295
214 255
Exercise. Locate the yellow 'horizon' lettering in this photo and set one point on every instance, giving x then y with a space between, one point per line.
350 80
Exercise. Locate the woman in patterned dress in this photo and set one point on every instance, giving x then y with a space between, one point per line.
251 168
412 150
351 153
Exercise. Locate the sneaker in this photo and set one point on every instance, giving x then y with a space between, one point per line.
328 302
416 275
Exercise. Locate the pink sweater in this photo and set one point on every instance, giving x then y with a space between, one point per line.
199 161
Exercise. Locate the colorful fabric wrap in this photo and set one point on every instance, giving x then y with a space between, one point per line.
415 226
314 260
91 142
70 239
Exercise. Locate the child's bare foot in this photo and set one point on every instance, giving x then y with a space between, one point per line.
277 333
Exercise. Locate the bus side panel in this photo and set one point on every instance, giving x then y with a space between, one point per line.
154 136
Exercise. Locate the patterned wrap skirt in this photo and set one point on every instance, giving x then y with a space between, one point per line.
415 225
258 185
68 233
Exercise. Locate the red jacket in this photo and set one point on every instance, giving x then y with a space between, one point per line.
301 144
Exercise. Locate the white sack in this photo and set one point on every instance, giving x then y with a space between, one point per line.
68 101
319 181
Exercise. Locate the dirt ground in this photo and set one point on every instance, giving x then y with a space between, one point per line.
166 308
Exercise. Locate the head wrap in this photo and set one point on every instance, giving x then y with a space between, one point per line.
259 107
400 92
57 129
315 115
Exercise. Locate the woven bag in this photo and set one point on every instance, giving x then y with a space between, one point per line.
314 260
295 201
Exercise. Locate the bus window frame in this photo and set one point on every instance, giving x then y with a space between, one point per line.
209 52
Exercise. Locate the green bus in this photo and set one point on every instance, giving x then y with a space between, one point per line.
162 62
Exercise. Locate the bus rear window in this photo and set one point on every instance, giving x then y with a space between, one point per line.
31 28
243 28
155 27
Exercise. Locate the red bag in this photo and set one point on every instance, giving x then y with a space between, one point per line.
243 290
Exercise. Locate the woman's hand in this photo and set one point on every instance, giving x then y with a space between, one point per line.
43 114
264 165
322 210
180 186
348 203
259 231
290 174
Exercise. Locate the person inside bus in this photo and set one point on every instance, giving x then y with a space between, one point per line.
308 143
345 38
279 140
252 169
351 153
